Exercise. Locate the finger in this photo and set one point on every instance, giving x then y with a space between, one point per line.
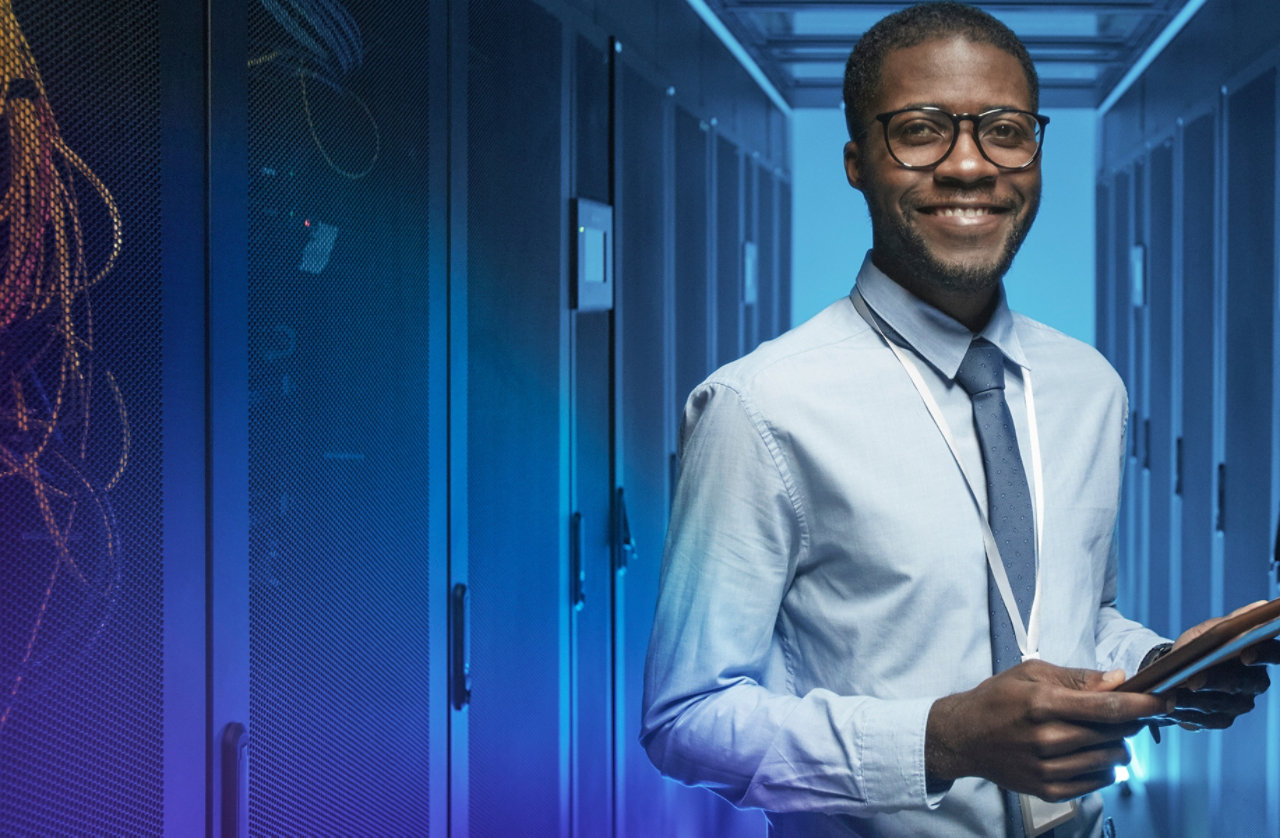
1085 762
1195 631
1266 651
1208 702
1071 678
1096 707
1078 786
1246 608
1232 677
1109 680
1063 739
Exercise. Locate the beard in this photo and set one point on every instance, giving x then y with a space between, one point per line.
908 251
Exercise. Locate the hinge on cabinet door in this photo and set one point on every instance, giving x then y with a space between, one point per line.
460 646
1177 467
1221 525
1146 444
577 567
624 544
235 781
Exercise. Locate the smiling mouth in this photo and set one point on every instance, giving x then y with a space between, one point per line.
962 212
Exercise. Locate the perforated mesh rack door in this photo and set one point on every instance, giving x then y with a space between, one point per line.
514 307
81 629
338 455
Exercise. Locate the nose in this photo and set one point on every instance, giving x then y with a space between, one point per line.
965 163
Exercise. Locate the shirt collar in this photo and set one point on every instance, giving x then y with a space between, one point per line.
937 337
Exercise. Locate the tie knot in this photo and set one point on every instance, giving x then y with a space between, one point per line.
982 368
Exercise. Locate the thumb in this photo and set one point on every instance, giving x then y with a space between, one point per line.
1092 679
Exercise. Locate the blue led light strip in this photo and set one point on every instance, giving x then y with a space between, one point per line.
1157 46
726 37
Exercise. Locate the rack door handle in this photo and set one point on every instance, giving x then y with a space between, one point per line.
1221 524
460 645
235 781
625 551
577 567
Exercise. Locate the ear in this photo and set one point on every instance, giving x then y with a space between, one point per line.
853 164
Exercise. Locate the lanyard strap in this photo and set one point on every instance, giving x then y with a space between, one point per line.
1028 636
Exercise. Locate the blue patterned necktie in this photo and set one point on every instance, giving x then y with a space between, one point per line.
981 374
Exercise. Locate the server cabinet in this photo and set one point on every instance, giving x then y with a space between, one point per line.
1135 546
727 246
591 449
327 433
1120 322
512 297
1159 454
647 398
1102 259
189 315
1198 207
784 255
766 314
693 314
292 377
1246 491
100 455
1157 458
1200 360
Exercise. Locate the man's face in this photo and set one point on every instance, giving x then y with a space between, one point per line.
957 226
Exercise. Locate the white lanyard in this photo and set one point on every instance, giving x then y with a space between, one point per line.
1028 637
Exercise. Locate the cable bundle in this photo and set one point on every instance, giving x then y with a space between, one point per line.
44 263
325 31
46 339
328 47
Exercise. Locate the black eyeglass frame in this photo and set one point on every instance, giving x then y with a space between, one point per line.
956 119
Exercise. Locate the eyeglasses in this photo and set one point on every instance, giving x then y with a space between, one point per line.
921 138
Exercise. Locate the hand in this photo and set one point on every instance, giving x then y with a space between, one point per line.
1038 728
1213 698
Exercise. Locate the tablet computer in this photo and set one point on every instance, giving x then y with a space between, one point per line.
1222 642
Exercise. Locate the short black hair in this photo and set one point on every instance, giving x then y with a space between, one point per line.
912 26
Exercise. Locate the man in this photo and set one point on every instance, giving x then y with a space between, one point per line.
832 607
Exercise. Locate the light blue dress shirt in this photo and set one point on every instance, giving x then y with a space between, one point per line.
824 579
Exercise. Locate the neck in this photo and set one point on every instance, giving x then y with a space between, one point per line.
971 307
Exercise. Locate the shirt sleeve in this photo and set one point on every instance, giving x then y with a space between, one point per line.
736 535
1122 643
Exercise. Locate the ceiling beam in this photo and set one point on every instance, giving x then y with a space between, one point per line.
1092 6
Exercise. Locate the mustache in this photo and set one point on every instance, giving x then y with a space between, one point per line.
975 195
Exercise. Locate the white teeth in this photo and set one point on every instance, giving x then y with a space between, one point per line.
964 212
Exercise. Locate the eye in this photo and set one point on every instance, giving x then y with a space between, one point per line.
1008 130
918 129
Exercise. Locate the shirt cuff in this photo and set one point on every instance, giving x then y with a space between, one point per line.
891 743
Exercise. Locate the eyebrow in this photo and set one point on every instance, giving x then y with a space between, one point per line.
983 109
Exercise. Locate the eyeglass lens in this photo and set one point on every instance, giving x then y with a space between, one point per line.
923 138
